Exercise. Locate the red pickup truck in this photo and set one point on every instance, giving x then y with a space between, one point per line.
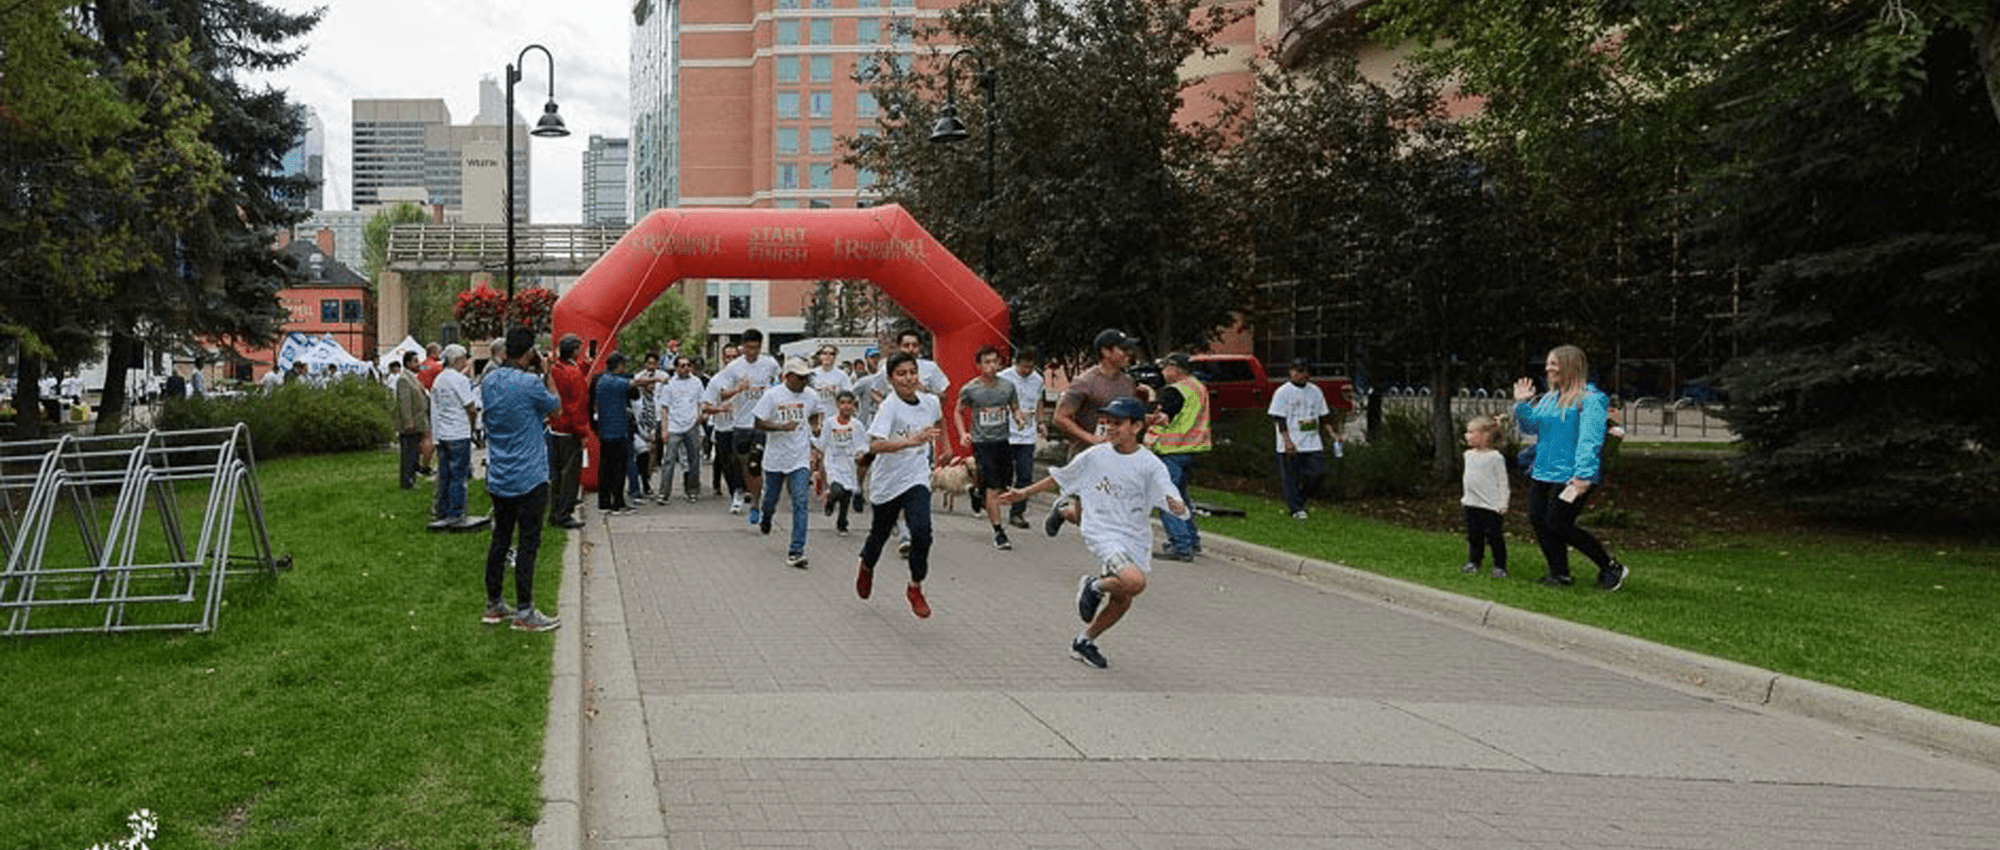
1239 382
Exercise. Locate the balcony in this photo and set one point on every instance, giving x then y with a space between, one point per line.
1302 23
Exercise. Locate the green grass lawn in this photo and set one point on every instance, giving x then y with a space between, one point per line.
1906 621
354 701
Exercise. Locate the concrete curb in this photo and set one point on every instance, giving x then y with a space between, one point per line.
1854 710
561 826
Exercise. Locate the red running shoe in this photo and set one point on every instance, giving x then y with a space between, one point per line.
864 582
918 606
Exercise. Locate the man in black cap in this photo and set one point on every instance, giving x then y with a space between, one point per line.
1077 410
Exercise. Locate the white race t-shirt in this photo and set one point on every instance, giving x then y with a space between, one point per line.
1119 493
930 379
450 393
1027 393
839 444
908 467
1302 408
760 375
785 451
679 401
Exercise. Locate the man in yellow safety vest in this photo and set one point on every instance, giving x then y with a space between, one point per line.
1183 437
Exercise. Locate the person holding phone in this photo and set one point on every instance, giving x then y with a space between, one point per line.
1568 422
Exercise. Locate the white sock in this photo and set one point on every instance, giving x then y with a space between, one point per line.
1084 636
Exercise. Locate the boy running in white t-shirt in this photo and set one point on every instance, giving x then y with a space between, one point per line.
906 429
1125 483
842 438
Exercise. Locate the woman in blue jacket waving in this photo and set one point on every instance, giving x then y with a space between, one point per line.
1569 423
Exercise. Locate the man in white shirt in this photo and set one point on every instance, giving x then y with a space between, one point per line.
785 414
454 413
742 383
1299 416
1026 376
680 410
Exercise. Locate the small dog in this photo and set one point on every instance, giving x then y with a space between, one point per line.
954 478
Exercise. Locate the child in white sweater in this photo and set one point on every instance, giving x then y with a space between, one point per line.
1485 498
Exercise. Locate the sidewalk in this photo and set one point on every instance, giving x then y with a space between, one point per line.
725 700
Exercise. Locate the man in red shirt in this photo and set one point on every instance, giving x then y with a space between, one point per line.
427 374
567 428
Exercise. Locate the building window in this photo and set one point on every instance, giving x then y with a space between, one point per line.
822 69
822 4
864 178
901 29
788 69
788 175
788 4
822 104
820 204
867 31
864 105
822 140
329 312
715 301
350 312
822 175
788 104
788 33
904 4
739 301
822 30
788 141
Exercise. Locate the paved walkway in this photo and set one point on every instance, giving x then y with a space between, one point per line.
729 701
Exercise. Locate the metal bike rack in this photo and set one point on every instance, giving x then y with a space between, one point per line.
131 568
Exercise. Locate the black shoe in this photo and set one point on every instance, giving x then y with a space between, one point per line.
830 503
1084 650
1017 520
764 523
1087 599
1555 581
1054 522
1613 577
568 522
1172 555
859 503
1001 542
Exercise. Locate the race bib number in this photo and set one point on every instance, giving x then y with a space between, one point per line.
791 413
992 417
1309 424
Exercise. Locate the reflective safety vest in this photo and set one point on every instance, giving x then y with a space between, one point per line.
1188 432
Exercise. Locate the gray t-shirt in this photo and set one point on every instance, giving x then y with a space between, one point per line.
1089 391
992 407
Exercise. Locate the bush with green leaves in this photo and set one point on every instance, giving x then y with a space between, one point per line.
354 413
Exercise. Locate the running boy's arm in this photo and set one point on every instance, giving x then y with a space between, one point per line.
1014 494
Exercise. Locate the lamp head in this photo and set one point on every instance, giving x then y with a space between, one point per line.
551 124
948 128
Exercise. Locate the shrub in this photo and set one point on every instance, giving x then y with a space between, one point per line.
297 419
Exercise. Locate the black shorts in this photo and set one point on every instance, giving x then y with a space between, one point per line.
750 447
996 464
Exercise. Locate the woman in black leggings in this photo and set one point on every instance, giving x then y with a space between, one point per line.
1568 422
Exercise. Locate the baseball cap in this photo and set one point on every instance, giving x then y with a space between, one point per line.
1178 360
1113 337
1123 407
872 352
798 366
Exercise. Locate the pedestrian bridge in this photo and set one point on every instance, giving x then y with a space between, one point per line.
546 249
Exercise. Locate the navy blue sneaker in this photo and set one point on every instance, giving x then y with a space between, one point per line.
1087 598
1085 650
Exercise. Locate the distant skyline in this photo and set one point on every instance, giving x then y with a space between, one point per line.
440 49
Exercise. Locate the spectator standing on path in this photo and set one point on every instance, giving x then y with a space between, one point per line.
454 413
1180 441
413 418
1485 498
679 403
905 431
1569 424
1029 389
519 397
611 396
742 383
567 430
1125 483
786 414
1299 417
987 411
1076 411
840 442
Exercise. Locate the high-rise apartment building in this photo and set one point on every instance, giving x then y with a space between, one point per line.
308 158
654 162
605 163
411 143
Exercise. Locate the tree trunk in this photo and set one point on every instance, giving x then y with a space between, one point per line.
1988 47
118 356
1444 437
28 399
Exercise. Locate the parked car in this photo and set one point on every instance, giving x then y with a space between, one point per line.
1239 382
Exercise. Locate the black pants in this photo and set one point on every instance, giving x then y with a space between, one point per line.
565 473
614 457
725 459
523 512
1482 529
410 445
1554 521
837 499
1024 473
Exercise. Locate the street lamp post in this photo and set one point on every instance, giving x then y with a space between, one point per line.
949 129
550 126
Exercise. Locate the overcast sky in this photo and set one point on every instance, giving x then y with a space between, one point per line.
441 48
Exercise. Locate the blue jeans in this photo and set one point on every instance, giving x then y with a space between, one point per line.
916 502
682 448
1299 472
454 459
1024 473
800 482
1182 536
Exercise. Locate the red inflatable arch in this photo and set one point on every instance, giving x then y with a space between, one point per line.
880 244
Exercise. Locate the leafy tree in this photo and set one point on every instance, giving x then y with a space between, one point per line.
850 308
375 236
1098 216
668 317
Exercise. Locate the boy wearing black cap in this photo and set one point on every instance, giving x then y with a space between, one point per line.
1125 483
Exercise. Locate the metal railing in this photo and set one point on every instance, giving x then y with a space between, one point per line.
133 568
1645 418
542 248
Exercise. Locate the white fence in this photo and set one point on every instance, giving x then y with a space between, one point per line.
1645 418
